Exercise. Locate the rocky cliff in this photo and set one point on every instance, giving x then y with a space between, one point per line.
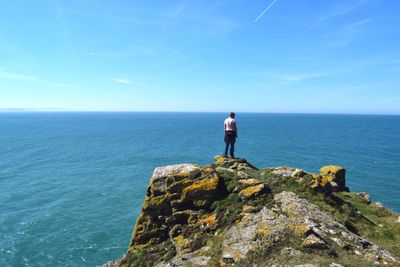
232 214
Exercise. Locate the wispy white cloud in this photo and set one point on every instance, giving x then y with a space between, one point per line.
200 20
62 22
5 74
339 12
178 11
298 77
122 81
288 77
135 51
23 77
59 85
266 10
109 54
347 34
356 26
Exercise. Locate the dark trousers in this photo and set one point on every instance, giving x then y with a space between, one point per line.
232 150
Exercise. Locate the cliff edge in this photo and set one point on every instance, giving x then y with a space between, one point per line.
232 214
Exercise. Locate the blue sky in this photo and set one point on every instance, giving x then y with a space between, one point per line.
322 56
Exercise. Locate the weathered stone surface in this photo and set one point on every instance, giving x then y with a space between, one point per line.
237 164
208 222
220 213
252 191
163 172
298 174
171 191
324 225
250 182
313 241
201 192
283 171
320 186
177 187
186 260
164 176
339 242
364 197
219 159
200 260
238 241
335 174
242 175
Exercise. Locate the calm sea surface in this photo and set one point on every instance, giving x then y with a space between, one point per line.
72 184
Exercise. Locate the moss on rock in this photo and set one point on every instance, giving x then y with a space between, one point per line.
232 214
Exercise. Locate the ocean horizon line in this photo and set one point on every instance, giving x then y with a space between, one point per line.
60 110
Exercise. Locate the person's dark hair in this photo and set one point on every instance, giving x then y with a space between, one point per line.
232 115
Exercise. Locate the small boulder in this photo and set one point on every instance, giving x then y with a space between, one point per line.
312 241
283 171
364 197
334 174
298 174
200 260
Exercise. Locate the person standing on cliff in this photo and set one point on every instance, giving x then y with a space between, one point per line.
230 131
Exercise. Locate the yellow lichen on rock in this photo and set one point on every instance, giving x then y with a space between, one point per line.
335 175
264 229
221 214
180 240
251 191
299 229
219 159
247 208
204 185
250 182
331 173
181 243
313 241
330 169
201 192
316 180
177 187
156 202
208 221
208 169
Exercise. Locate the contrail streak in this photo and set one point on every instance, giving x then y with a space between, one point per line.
265 10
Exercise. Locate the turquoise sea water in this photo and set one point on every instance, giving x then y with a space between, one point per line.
72 184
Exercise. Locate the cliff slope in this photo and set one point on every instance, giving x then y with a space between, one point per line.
232 214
